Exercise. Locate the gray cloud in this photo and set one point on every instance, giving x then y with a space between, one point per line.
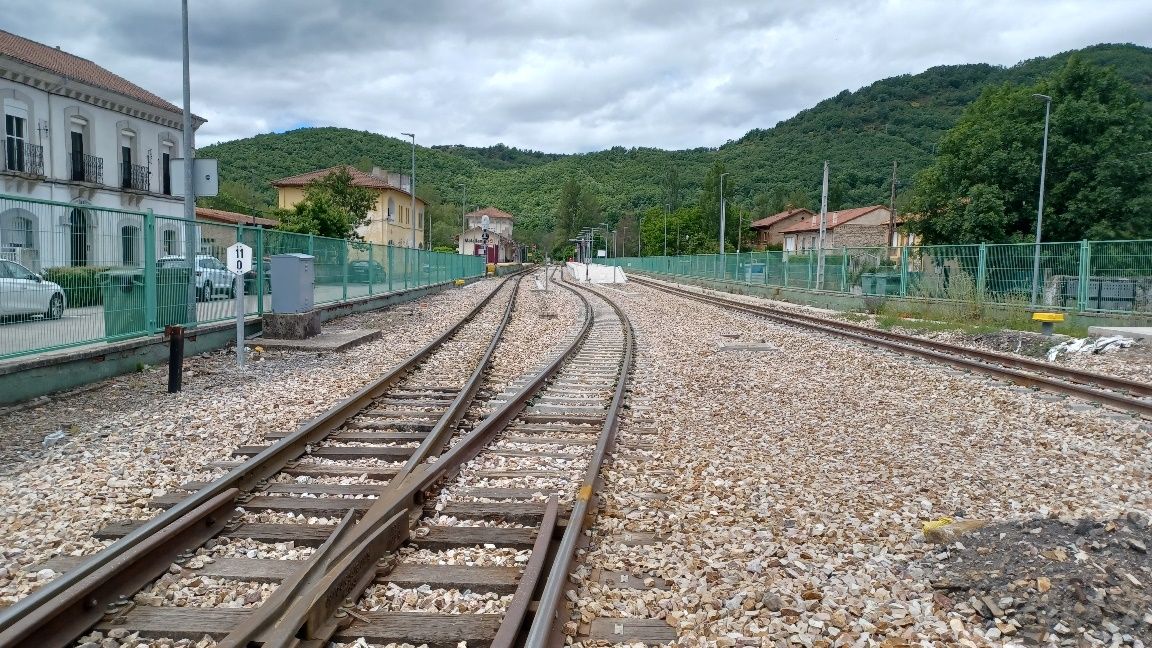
568 76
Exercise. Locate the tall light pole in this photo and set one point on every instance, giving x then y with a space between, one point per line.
1040 205
639 232
666 229
412 187
191 245
722 213
463 215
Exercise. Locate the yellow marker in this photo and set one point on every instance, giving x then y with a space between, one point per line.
1047 320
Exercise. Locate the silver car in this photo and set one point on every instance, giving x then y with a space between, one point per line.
212 276
23 292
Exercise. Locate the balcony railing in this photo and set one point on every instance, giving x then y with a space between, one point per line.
87 168
135 176
23 157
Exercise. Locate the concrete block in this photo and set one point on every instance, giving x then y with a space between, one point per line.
1134 332
292 326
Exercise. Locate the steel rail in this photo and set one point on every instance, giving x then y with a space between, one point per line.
1085 387
271 617
544 624
312 613
517 611
46 607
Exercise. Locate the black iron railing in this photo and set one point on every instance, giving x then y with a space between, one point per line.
87 168
23 157
134 176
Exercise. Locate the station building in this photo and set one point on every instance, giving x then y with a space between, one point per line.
501 247
77 133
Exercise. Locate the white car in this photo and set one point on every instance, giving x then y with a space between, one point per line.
212 276
23 292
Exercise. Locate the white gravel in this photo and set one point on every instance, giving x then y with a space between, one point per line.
1134 363
796 481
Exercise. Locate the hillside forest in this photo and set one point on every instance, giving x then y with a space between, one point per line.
966 140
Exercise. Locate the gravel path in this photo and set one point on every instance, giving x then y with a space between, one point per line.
789 485
128 440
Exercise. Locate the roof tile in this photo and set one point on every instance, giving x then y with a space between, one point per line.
835 219
73 67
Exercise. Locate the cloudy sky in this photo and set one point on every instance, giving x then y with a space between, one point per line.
552 75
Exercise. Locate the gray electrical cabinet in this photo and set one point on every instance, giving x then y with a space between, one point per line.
293 281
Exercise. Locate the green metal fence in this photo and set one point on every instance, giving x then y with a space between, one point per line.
73 274
1086 276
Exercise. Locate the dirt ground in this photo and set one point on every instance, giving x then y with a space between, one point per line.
1051 581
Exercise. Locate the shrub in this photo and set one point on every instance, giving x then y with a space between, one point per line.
79 283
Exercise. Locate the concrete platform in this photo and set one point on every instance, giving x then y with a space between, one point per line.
323 342
1134 332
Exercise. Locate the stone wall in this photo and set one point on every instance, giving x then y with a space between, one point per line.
849 235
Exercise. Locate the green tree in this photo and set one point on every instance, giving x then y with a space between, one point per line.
578 208
236 197
332 207
984 185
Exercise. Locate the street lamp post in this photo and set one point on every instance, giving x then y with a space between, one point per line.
722 213
1040 205
639 233
463 215
666 229
412 187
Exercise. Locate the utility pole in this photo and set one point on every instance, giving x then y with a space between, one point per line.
892 210
1040 205
412 186
823 230
722 213
739 232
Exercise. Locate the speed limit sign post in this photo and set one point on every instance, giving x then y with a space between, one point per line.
239 262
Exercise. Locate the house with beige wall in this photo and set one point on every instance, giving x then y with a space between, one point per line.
390 221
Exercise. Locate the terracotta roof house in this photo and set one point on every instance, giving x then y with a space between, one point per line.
233 218
80 134
390 221
857 227
768 229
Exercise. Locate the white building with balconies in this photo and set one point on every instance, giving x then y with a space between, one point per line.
76 133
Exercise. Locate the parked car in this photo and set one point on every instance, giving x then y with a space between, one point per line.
23 292
360 271
212 276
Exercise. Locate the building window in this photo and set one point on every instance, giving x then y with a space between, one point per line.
166 171
168 242
130 174
14 142
391 210
129 245
78 237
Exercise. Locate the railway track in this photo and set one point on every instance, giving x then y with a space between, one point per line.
411 490
1119 393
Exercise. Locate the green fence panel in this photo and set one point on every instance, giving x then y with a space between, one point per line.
75 274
